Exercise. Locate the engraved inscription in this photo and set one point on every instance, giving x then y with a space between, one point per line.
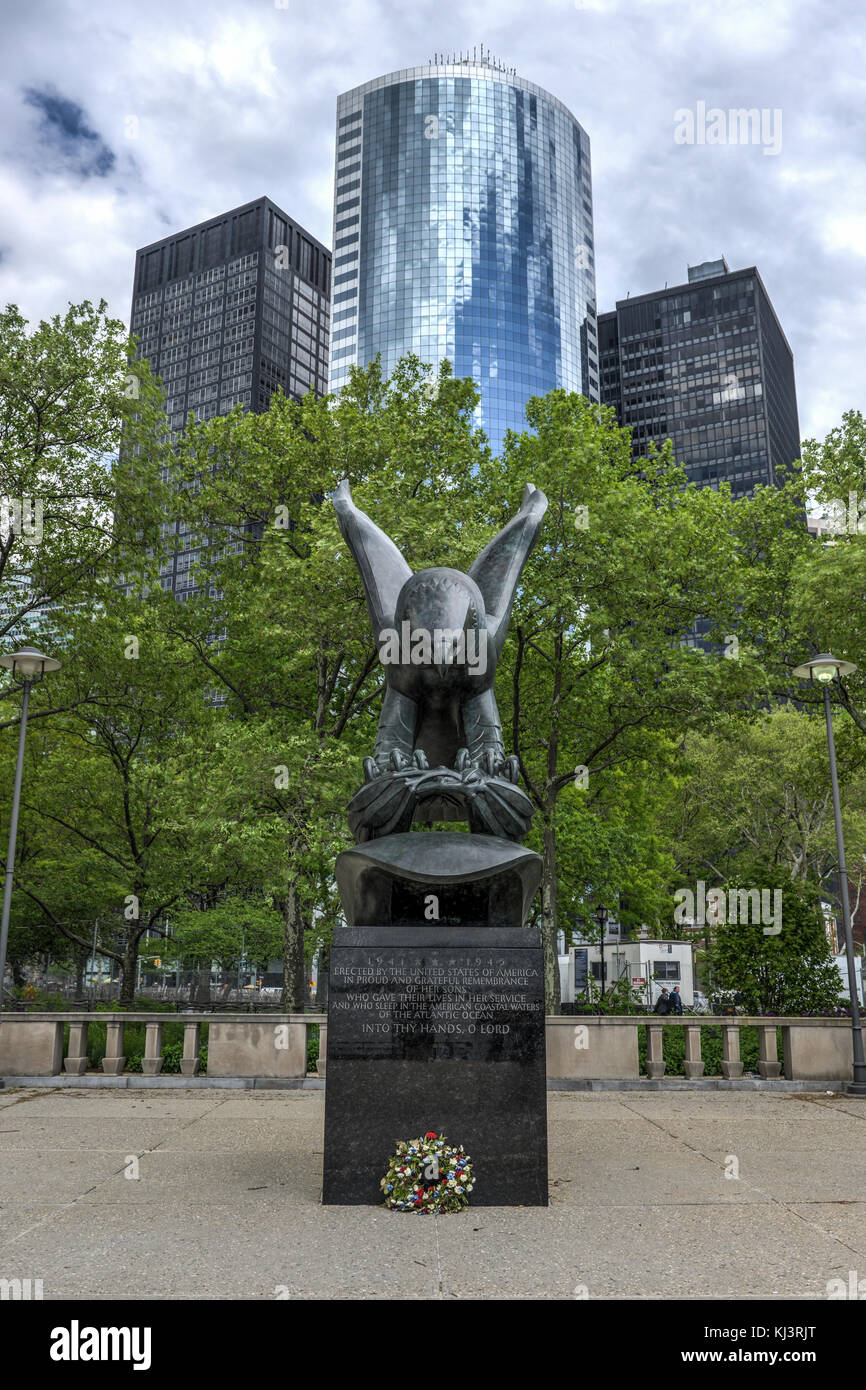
397 993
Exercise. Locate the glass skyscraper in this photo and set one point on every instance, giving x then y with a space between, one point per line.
463 229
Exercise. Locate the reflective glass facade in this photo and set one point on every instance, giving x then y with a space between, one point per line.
463 229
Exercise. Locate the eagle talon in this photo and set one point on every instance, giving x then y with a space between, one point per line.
463 761
419 758
371 769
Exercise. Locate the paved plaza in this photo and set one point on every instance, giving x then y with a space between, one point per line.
226 1202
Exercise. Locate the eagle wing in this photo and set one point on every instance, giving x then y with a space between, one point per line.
500 564
382 568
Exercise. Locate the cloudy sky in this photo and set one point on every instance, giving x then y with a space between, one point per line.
121 122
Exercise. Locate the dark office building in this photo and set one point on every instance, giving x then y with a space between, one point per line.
227 311
707 365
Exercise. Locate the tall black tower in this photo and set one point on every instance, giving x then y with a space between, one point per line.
225 312
707 365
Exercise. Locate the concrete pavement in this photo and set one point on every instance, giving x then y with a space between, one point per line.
225 1203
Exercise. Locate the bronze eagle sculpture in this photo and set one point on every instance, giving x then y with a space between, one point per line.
439 753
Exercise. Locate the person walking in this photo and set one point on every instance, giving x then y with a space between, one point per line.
676 1001
663 1003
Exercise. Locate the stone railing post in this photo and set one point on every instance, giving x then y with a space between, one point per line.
655 1060
588 1047
76 1061
114 1060
30 1046
818 1049
732 1067
322 1061
151 1062
693 1066
256 1047
768 1056
189 1062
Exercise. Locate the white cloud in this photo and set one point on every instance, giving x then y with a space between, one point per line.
236 98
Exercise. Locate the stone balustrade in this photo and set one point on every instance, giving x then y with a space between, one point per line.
592 1047
274 1046
239 1045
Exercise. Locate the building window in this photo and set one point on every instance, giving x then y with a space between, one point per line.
666 969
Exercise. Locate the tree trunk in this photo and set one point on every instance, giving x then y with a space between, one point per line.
549 917
708 960
294 997
201 988
552 996
81 958
322 978
128 969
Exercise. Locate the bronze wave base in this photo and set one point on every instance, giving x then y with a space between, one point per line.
439 876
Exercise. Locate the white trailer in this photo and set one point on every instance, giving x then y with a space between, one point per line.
648 966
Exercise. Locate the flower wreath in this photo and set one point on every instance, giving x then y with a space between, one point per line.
428 1175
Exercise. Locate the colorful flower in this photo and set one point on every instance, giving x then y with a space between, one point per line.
404 1187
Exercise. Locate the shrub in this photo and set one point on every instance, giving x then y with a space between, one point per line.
674 1048
312 1046
134 1043
173 1052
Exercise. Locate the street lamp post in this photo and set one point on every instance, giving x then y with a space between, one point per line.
825 669
93 964
30 665
601 916
242 964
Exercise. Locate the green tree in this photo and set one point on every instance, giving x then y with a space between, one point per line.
76 508
288 648
757 790
600 674
791 972
802 594
611 847
238 925
102 827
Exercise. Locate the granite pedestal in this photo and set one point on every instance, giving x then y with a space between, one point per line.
437 1027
